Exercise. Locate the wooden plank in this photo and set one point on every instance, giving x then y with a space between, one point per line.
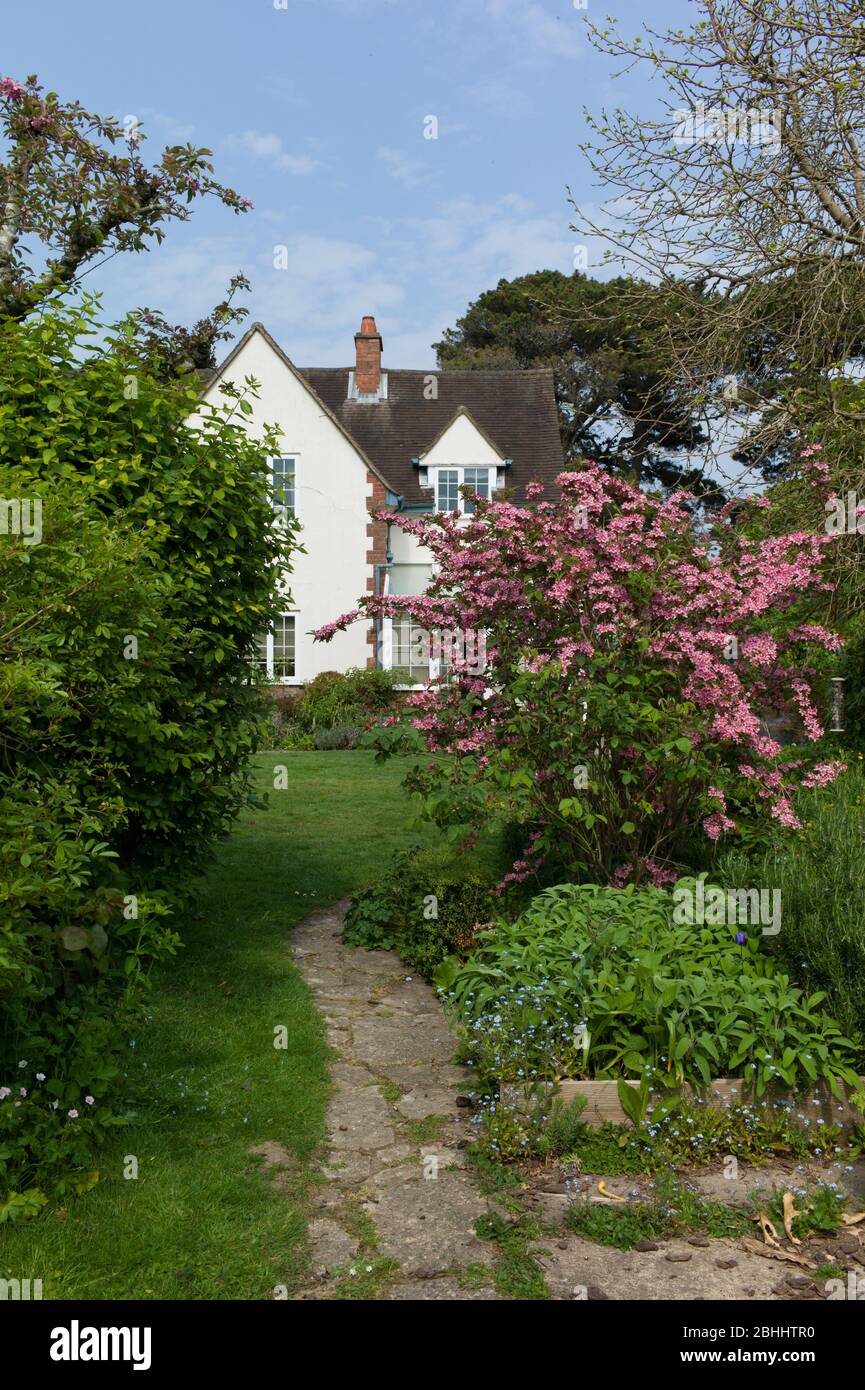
603 1104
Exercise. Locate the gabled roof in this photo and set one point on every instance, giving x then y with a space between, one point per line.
515 410
467 415
210 378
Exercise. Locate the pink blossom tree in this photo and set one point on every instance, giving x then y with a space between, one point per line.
632 657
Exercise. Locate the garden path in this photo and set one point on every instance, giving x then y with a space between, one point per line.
395 1216
399 1207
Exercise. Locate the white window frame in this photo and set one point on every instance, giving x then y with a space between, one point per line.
279 507
269 663
461 470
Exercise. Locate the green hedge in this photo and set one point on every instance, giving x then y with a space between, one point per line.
128 716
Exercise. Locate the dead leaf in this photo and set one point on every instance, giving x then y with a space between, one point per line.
770 1235
853 1220
790 1213
757 1249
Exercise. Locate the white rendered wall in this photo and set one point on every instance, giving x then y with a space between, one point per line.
331 501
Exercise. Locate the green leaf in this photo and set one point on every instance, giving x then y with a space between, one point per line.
75 938
98 939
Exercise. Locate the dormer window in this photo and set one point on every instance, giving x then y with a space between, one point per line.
448 482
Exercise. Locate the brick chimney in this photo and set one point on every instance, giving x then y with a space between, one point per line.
367 346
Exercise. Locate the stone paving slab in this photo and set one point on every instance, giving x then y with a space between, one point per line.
583 1270
392 1038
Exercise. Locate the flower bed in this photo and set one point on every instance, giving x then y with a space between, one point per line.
605 985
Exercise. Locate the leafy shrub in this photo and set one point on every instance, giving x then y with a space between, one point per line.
820 874
608 716
372 917
127 710
339 737
427 909
536 1124
603 982
334 700
853 671
282 731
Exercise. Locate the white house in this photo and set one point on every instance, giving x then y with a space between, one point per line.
360 438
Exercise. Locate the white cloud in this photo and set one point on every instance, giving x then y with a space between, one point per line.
266 145
409 172
417 275
533 32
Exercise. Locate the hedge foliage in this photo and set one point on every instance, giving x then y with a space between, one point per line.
127 714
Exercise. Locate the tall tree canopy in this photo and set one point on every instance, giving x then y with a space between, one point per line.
614 405
743 198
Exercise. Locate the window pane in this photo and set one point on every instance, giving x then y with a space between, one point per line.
409 651
448 490
283 484
283 648
478 479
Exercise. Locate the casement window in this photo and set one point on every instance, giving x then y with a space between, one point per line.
448 484
284 470
274 651
409 654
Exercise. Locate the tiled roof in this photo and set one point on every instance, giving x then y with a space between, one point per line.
516 410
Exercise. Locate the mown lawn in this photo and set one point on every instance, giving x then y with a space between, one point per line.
202 1220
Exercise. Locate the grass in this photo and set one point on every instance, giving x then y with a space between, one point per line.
425 1131
516 1273
675 1209
204 1219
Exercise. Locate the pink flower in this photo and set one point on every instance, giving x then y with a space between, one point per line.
88 1100
783 812
22 1091
73 1114
822 774
4 1092
588 622
12 90
324 634
716 824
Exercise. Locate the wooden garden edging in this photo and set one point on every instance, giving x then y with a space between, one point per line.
603 1104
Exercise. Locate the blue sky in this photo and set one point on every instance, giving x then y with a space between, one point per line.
317 112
